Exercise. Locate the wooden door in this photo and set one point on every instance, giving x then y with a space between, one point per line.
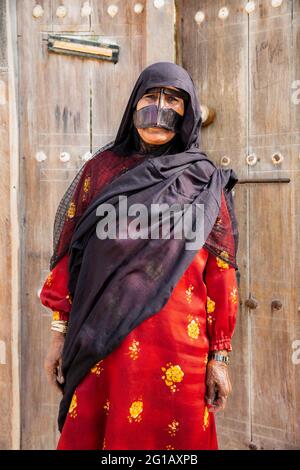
246 66
68 106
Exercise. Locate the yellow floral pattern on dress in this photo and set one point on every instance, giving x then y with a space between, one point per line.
68 297
210 308
97 369
104 444
193 327
189 293
234 295
170 447
135 411
222 264
49 280
172 375
72 210
173 428
55 315
106 407
86 187
210 305
87 184
73 406
205 418
134 349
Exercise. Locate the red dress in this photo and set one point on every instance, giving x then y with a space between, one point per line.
149 393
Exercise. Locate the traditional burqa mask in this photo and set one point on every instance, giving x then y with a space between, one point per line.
160 107
160 115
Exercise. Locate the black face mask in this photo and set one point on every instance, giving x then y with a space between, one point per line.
159 116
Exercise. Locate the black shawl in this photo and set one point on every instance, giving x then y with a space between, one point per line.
117 284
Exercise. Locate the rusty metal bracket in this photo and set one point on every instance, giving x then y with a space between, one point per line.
84 46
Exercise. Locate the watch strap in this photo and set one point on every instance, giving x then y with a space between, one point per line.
219 357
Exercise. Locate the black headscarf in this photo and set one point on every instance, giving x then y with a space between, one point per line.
117 284
164 74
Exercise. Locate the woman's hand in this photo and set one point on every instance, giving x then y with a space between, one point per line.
52 364
218 385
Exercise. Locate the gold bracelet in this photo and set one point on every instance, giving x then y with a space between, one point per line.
62 329
59 325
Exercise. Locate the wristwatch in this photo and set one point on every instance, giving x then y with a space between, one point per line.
219 357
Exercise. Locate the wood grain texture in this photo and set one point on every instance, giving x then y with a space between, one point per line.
160 32
274 271
9 237
244 67
110 84
6 381
55 106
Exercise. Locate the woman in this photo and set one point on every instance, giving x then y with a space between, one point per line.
142 326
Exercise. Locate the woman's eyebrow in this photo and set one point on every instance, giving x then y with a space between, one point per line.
152 90
167 91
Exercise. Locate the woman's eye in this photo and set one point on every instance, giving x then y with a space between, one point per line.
168 98
172 99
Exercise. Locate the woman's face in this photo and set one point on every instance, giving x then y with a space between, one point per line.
159 135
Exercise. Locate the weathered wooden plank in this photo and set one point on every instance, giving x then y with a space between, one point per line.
215 54
295 127
110 85
67 16
270 86
55 118
160 32
5 261
272 227
3 34
9 237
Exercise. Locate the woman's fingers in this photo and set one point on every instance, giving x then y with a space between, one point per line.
223 390
53 361
220 404
210 392
60 378
50 367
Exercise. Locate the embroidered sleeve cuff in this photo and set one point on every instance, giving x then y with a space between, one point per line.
224 343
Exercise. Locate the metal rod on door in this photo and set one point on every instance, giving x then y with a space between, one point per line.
264 180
